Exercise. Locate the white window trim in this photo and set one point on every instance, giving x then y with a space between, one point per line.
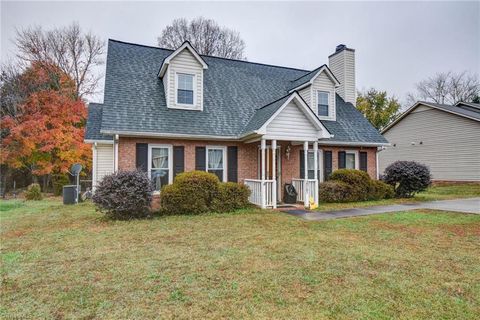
170 161
357 158
194 83
329 107
224 162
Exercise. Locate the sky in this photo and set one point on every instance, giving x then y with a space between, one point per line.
397 43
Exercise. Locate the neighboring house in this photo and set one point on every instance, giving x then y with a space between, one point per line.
168 111
444 137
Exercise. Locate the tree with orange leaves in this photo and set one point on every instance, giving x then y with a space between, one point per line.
45 133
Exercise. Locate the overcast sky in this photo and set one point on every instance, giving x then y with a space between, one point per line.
397 43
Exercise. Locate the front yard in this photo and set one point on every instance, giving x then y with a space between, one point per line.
68 262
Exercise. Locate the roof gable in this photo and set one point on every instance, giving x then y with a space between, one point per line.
185 46
309 78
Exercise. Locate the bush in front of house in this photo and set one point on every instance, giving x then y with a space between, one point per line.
335 191
231 196
407 178
58 181
381 190
359 181
124 195
33 192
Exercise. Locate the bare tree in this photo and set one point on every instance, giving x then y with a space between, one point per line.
75 52
447 88
205 35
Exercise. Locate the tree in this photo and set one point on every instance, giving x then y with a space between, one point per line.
205 35
447 88
74 52
377 107
45 135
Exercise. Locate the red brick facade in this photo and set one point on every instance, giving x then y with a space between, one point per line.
247 156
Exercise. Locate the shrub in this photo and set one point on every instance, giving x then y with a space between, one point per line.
58 182
191 193
381 190
407 178
230 197
359 181
124 195
335 191
33 192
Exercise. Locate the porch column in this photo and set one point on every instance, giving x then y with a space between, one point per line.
305 181
315 167
274 173
263 145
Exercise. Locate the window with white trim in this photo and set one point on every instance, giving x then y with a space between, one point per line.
322 103
185 92
160 165
216 162
351 160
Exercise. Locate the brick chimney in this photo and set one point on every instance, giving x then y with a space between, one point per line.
342 64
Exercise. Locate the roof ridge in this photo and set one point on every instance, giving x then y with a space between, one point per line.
206 55
308 73
270 103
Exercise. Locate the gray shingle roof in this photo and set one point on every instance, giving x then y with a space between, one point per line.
94 122
469 111
234 93
264 113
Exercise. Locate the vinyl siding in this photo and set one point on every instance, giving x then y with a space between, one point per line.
103 162
450 144
184 62
324 83
306 95
342 65
292 124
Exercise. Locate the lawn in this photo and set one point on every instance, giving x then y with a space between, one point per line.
68 262
440 192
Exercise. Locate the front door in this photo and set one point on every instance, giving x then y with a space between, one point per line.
269 168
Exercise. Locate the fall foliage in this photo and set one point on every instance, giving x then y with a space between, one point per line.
45 135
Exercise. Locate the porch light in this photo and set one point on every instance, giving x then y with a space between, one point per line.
287 152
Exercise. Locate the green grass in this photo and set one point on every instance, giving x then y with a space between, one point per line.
69 262
441 192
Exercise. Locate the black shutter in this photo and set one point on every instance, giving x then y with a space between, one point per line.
327 164
363 161
302 164
232 164
342 158
200 158
141 157
178 160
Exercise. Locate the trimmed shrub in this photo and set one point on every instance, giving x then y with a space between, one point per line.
33 192
381 190
58 181
191 193
124 195
407 178
359 181
231 196
335 191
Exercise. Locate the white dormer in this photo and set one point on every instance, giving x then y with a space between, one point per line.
318 90
182 76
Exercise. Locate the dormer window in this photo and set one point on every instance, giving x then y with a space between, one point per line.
322 103
185 94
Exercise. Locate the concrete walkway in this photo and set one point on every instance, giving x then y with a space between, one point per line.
471 205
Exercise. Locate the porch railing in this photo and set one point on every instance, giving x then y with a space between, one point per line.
262 192
312 188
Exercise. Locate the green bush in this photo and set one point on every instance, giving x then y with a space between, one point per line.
407 178
58 181
381 190
335 191
33 192
231 196
360 182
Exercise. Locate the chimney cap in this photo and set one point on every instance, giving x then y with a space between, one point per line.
341 47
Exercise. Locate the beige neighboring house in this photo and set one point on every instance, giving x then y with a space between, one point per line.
444 137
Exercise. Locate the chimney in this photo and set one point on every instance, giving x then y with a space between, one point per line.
342 64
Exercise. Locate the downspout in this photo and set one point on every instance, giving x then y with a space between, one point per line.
115 153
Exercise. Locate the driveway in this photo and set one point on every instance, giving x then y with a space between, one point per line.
471 205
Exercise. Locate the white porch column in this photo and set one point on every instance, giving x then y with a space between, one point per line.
315 166
274 173
115 153
305 178
263 145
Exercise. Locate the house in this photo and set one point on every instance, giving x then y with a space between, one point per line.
168 111
444 137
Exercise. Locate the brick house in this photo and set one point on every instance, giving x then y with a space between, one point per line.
169 111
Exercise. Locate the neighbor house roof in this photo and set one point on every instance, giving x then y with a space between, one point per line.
234 92
94 122
466 110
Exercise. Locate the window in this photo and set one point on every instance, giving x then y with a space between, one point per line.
185 88
322 103
160 165
350 160
311 165
216 162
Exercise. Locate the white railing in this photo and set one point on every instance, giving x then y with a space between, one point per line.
312 189
262 192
